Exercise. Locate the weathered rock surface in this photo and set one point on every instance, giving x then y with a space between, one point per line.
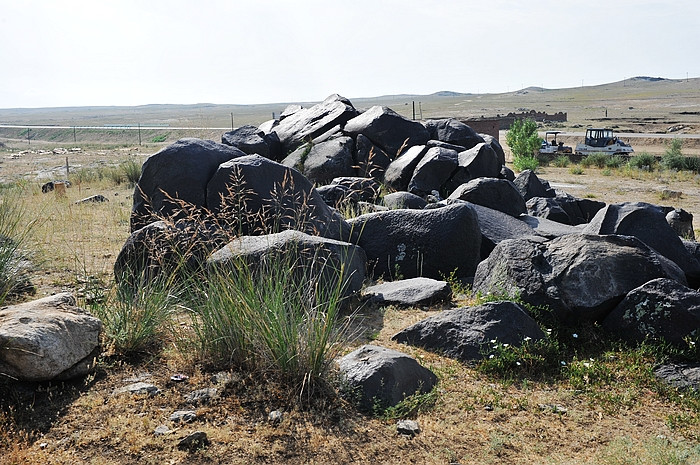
682 222
413 243
308 123
324 256
531 186
181 172
648 223
580 277
400 171
497 194
464 333
403 199
480 161
454 132
324 161
680 375
49 338
433 171
370 159
252 140
381 377
409 292
387 129
660 309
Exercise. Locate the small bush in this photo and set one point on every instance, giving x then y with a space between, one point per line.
576 169
14 235
643 161
562 161
526 163
159 138
614 161
599 160
131 170
673 158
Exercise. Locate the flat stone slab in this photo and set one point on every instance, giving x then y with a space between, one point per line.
409 292
682 375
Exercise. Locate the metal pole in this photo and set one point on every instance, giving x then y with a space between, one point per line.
67 168
139 133
74 139
414 109
29 140
231 121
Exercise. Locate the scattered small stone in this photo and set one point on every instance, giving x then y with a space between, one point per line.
275 416
488 407
93 199
553 408
143 376
161 430
184 416
407 427
222 377
43 445
201 396
138 388
179 378
194 441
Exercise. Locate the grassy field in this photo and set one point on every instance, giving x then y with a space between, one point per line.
579 398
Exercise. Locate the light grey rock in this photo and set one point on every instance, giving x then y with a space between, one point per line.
183 416
202 396
138 388
465 333
409 292
408 427
49 338
379 378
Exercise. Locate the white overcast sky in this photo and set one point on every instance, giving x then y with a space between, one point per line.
133 52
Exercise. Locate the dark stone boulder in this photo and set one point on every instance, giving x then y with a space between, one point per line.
255 195
684 376
322 162
660 309
647 223
387 129
433 171
564 209
380 378
178 173
465 333
454 132
413 243
306 124
548 228
366 189
507 173
400 171
409 292
444 145
682 222
336 196
403 199
250 140
579 277
547 208
371 161
49 186
320 256
531 186
497 194
480 161
496 146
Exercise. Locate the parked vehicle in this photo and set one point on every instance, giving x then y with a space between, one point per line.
550 146
602 141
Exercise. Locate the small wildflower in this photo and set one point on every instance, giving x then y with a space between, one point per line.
527 338
575 336
506 345
586 364
493 341
491 356
563 363
518 363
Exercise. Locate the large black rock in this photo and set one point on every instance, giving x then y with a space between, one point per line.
324 161
531 186
256 195
306 124
498 194
660 309
371 161
400 171
388 130
433 171
579 277
454 132
250 140
480 161
411 243
465 333
178 173
648 223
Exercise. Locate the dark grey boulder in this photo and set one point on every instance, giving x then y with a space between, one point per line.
454 132
548 228
49 186
409 292
366 189
531 186
579 277
680 375
466 333
255 195
444 145
289 110
387 129
403 199
378 378
178 173
497 194
336 196
399 172
413 243
648 223
325 257
507 173
496 146
322 162
480 161
433 171
547 208
306 124
371 160
682 222
564 209
250 140
660 309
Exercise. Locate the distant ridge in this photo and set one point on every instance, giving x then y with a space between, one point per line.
447 93
648 78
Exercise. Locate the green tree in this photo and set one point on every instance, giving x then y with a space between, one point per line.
522 138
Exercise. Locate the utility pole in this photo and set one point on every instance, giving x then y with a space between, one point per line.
420 109
414 109
139 133
74 138
231 121
29 139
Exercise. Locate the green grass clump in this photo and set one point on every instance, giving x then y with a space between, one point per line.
576 169
643 161
526 163
14 235
562 161
598 160
614 161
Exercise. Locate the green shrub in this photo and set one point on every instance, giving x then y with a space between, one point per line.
159 138
131 170
673 158
14 235
576 169
562 161
614 161
643 161
526 163
522 138
599 160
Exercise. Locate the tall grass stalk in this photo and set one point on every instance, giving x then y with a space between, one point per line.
277 317
14 235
